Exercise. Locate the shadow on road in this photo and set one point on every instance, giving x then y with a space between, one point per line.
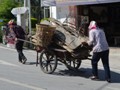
30 63
34 63
86 73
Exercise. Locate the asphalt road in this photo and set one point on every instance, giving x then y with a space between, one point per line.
17 76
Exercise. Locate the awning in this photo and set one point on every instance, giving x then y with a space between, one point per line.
48 3
82 2
74 2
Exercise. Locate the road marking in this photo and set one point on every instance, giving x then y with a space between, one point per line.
113 88
12 49
7 48
21 84
7 63
113 68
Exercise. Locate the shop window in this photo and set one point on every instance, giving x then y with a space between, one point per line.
46 12
99 13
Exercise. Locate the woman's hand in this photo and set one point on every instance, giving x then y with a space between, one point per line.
16 39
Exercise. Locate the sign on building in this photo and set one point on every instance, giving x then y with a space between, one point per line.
19 10
48 3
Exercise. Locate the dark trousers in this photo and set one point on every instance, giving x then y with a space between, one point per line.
104 56
19 48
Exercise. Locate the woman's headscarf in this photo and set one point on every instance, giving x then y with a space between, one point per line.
11 22
92 25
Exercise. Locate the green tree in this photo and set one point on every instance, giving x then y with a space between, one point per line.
36 9
5 8
5 12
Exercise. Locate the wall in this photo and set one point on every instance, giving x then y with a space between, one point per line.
62 13
53 12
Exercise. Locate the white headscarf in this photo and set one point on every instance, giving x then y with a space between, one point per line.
92 25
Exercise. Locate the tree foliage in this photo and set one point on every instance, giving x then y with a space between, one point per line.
36 9
5 8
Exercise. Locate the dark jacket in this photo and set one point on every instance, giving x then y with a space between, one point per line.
19 32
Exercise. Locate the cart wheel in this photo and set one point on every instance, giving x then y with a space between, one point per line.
73 65
48 61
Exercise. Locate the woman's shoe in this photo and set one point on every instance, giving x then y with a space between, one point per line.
24 61
20 61
94 78
108 80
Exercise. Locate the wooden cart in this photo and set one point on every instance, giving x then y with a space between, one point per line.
61 49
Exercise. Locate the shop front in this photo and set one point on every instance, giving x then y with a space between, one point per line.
105 12
107 16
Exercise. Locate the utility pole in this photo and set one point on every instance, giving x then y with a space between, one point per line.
28 4
25 3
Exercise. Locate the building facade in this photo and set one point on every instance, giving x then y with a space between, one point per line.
105 12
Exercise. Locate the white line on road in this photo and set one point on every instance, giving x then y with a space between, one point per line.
21 84
12 49
113 88
7 48
7 63
114 68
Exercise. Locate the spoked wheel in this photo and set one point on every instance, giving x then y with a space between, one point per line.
48 61
74 64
